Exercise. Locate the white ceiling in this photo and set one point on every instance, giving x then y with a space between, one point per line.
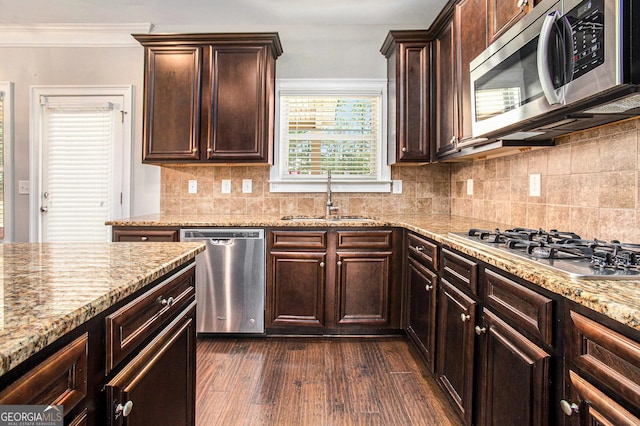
186 15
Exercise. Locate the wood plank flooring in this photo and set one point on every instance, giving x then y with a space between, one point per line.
315 381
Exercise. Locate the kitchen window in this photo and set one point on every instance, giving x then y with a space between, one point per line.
336 125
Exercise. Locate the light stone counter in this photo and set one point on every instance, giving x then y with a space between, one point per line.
616 299
49 289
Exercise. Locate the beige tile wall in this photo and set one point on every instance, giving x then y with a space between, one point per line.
589 184
425 189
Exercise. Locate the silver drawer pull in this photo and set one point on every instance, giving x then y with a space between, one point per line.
166 302
125 409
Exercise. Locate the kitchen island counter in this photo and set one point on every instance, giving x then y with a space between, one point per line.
49 289
616 299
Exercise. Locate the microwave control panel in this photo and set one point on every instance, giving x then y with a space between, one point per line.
587 28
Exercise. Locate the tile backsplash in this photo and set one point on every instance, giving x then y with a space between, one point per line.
424 189
589 183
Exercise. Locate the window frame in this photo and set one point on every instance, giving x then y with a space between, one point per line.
279 182
8 180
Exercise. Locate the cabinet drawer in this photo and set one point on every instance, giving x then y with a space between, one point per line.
607 356
459 271
378 240
133 323
299 240
151 235
530 311
60 379
423 251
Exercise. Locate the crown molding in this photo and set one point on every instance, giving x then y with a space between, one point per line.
71 35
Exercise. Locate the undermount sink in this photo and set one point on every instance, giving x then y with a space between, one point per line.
337 218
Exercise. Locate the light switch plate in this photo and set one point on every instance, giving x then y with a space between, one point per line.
469 186
23 187
193 186
226 186
534 185
247 186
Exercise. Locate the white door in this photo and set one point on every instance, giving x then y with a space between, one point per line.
81 181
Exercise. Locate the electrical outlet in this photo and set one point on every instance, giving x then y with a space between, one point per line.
226 186
469 186
246 186
396 186
193 187
534 185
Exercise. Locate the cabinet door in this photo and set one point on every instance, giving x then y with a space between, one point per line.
594 407
172 104
296 288
471 40
413 102
514 376
446 101
158 386
239 107
501 15
422 285
454 365
362 289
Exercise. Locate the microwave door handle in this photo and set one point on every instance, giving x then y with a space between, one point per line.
544 73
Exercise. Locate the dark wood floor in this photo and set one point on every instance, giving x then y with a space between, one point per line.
314 381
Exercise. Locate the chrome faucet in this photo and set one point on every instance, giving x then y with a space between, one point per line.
330 207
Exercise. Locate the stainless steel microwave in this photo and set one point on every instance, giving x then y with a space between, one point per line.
566 66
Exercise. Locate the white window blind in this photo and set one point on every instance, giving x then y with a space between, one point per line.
77 191
2 204
331 132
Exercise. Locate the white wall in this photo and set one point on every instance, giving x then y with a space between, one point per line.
309 52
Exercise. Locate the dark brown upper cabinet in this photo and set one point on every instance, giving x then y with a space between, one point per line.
209 98
502 14
408 58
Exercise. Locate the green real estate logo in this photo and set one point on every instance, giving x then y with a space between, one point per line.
31 415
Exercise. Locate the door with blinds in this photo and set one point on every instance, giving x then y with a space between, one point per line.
80 166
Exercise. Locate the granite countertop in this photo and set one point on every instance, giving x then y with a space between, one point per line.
49 289
616 299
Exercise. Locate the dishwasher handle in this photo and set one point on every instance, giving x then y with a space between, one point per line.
221 241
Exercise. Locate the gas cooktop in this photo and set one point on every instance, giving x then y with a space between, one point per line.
564 251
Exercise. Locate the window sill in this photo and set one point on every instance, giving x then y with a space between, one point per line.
336 186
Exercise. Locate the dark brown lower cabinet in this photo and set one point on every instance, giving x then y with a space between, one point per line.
423 287
455 359
158 385
296 296
514 376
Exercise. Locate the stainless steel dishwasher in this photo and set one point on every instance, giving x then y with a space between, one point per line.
230 280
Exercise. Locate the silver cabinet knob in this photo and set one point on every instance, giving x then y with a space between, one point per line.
522 3
404 149
125 409
569 407
428 287
339 263
464 317
322 264
419 248
209 150
44 209
480 330
194 150
144 238
167 302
